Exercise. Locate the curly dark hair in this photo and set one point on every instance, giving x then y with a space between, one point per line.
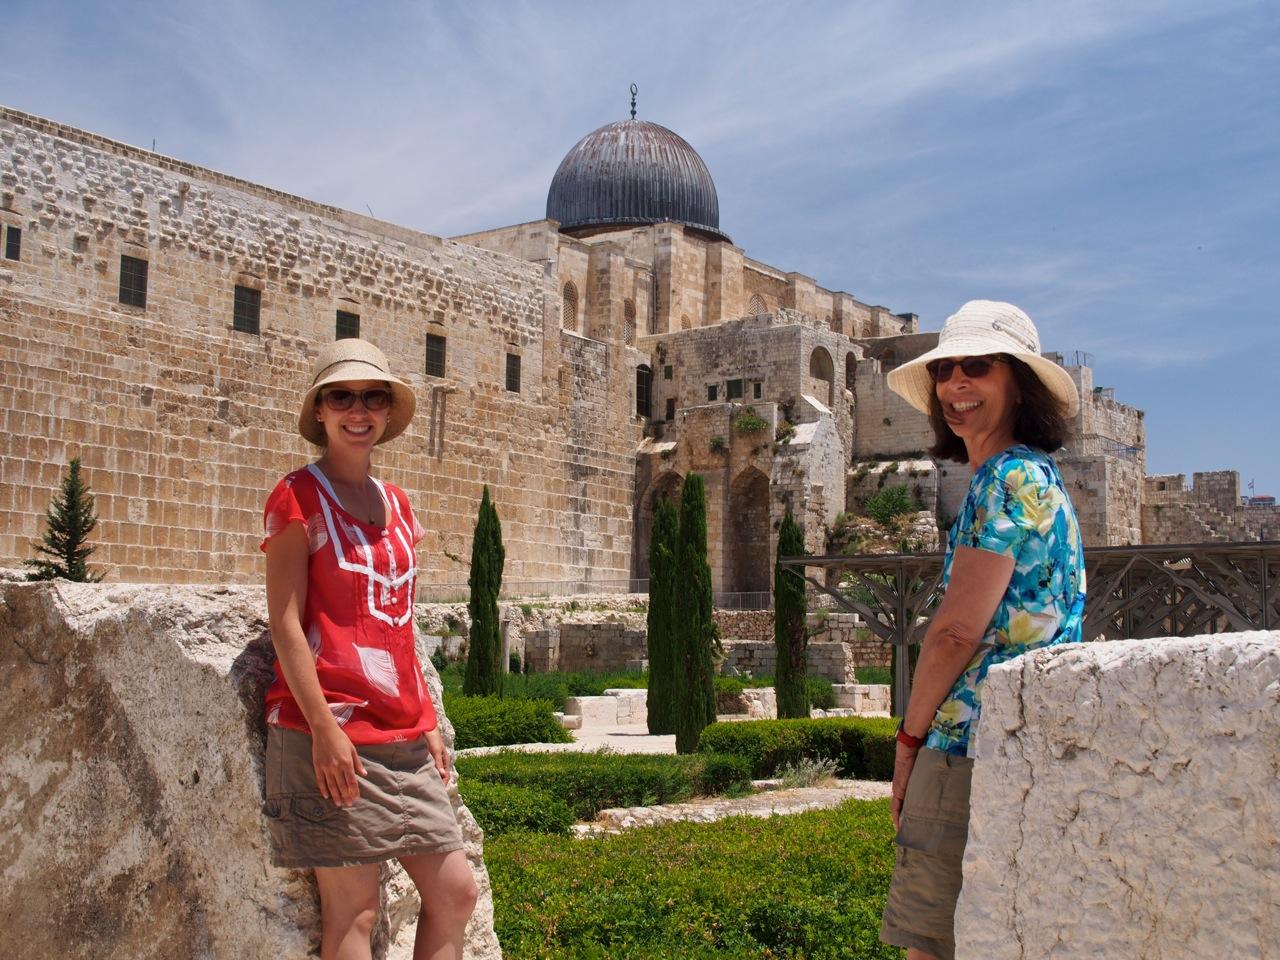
1041 421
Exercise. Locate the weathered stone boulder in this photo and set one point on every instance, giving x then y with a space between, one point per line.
1126 803
131 749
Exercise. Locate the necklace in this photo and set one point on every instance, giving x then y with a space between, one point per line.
366 501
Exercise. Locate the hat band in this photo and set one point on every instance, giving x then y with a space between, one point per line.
1018 335
338 363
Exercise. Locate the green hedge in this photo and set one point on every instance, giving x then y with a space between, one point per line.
809 886
500 808
862 747
552 687
591 782
494 722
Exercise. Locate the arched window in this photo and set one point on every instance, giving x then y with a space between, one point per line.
644 390
629 323
850 369
569 307
758 306
685 322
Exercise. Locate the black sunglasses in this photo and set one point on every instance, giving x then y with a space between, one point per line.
379 398
973 367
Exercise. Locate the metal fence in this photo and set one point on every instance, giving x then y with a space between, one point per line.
1166 590
521 589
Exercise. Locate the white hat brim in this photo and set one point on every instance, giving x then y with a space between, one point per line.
912 382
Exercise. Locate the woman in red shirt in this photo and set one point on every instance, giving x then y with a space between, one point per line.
356 768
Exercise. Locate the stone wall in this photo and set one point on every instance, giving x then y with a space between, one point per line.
832 661
867 478
1124 803
600 647
184 423
131 742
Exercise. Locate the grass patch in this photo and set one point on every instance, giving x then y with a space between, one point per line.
808 886
590 782
874 675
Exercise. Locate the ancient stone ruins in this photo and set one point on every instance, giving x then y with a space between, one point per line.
160 320
131 743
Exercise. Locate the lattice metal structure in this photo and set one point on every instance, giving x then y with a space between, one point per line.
1166 590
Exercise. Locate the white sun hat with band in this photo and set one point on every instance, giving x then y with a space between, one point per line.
981 328
351 359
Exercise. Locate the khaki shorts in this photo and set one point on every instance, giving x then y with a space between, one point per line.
921 907
403 808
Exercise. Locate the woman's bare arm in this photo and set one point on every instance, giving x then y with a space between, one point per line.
333 756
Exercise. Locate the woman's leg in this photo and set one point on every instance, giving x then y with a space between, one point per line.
448 894
348 910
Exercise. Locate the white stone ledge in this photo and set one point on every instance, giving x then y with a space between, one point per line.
1126 804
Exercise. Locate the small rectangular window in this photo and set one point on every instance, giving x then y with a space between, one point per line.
513 372
435 355
644 391
247 310
671 409
13 244
713 389
757 390
666 372
347 325
734 390
133 281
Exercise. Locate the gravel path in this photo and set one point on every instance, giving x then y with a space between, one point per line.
764 804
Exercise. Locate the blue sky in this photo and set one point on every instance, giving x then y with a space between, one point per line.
1112 167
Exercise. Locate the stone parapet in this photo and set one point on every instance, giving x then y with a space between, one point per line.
1125 803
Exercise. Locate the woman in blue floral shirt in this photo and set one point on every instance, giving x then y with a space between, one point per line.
1013 579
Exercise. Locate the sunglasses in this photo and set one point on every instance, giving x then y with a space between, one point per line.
378 398
974 367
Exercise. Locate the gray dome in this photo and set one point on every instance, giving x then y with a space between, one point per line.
633 172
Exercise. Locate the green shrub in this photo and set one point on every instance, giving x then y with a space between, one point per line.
748 421
591 782
500 808
810 885
873 675
728 686
492 722
890 502
862 747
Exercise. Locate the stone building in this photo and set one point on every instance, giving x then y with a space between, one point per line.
160 321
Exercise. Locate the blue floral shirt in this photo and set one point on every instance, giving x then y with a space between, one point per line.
1016 507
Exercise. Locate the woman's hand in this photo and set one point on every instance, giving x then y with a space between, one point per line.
435 743
904 761
336 764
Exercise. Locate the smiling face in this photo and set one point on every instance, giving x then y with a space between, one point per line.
356 428
980 410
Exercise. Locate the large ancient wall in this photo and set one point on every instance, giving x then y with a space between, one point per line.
1124 803
183 424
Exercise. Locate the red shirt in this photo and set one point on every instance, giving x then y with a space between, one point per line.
359 614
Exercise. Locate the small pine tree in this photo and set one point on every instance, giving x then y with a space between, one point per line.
68 522
484 672
694 630
661 619
789 633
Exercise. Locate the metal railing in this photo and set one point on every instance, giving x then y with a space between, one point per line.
1162 590
522 589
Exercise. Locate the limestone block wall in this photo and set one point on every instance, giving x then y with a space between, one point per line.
847 629
184 423
1173 514
1106 492
751 626
867 478
1124 803
131 751
833 661
599 646
885 425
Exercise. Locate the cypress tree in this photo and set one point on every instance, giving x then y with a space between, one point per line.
662 582
68 522
484 650
694 630
789 634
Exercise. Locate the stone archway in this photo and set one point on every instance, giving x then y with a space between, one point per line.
821 368
750 561
669 485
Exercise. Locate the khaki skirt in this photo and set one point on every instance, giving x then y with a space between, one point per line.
920 910
403 808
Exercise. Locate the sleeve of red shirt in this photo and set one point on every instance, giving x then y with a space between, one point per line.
281 510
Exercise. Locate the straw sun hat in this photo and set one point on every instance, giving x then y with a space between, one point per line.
352 359
980 328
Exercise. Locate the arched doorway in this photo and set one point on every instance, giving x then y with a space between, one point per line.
822 375
750 563
669 485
